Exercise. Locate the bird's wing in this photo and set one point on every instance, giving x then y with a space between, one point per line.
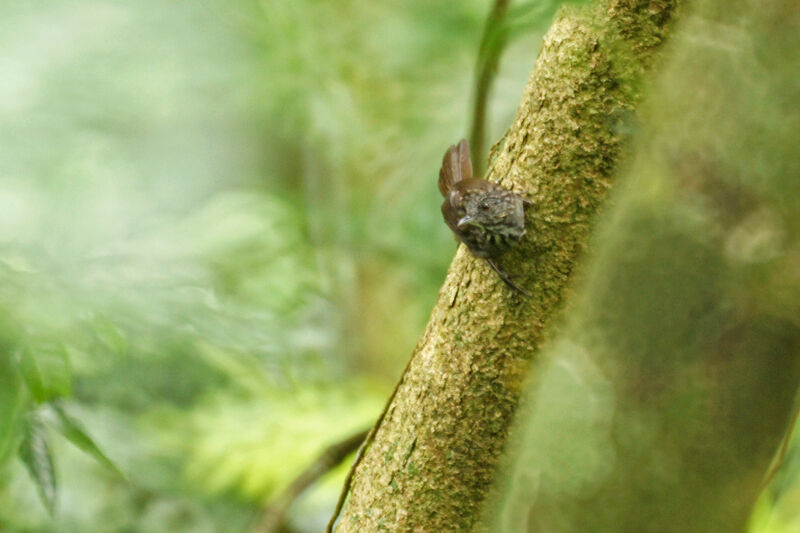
456 166
450 215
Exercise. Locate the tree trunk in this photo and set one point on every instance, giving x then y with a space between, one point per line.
432 460
674 379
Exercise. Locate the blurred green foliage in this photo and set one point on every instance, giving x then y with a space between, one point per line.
219 240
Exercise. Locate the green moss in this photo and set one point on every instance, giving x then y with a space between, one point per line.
389 454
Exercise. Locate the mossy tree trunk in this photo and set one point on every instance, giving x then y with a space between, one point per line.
668 390
432 460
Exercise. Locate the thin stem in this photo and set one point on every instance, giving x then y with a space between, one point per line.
274 515
493 41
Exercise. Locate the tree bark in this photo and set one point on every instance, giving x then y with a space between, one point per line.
670 386
432 461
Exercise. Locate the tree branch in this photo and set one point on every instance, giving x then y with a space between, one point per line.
273 517
435 452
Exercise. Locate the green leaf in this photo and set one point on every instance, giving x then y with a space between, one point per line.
35 453
11 398
74 431
109 335
31 375
46 371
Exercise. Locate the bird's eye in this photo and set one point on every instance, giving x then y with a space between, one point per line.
483 205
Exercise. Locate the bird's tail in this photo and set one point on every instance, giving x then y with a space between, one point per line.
456 166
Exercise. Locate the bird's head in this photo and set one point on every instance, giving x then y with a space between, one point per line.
486 209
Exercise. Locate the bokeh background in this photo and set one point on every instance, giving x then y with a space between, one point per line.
220 239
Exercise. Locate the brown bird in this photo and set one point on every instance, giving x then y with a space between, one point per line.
487 218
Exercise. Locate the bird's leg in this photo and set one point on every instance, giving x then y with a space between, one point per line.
507 279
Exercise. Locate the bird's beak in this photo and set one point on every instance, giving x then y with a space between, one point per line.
465 221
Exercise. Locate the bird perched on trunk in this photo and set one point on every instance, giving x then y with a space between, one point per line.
487 218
